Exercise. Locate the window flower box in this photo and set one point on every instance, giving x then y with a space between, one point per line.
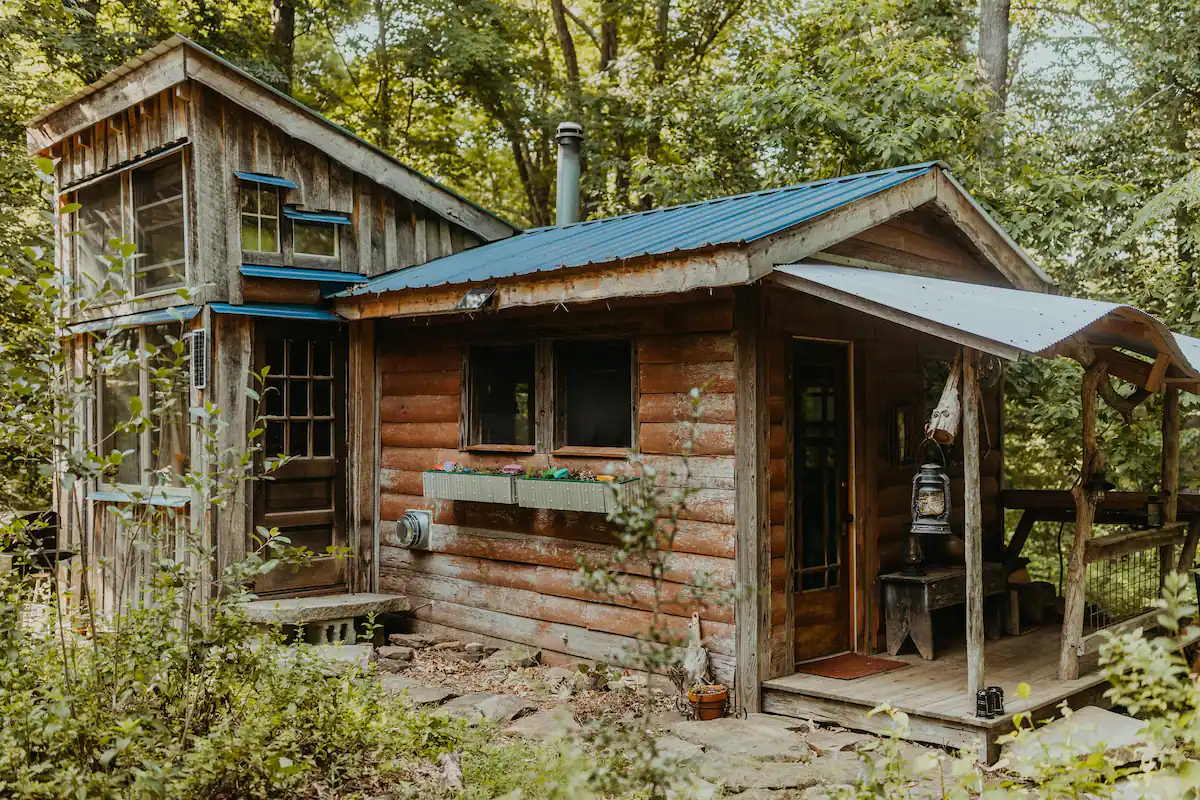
566 494
475 487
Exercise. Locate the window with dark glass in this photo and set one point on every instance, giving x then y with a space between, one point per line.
260 218
299 402
158 225
503 398
315 238
98 223
595 407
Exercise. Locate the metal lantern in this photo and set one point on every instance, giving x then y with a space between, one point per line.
931 501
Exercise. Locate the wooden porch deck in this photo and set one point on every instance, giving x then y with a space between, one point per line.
934 693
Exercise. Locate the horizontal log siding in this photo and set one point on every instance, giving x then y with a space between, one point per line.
511 574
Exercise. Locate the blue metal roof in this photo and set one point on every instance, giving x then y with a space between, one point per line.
277 310
170 314
316 216
269 180
723 221
327 276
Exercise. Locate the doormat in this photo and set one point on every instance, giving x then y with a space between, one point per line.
848 666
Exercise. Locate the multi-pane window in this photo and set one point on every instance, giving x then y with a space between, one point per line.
98 222
299 399
503 398
260 218
596 391
314 238
158 224
145 373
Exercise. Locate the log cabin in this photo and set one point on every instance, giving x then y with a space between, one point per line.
407 329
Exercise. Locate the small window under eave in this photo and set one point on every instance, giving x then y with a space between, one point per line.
269 180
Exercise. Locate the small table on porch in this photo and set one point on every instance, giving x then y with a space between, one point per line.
910 600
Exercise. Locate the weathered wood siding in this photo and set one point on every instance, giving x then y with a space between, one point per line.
887 374
510 573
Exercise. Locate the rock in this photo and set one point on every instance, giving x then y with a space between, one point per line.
473 647
481 706
416 641
515 656
739 774
693 788
418 693
451 644
783 723
392 666
741 738
395 652
657 721
543 726
335 658
677 748
1088 730
825 741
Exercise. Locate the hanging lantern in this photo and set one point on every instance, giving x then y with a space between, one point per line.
931 501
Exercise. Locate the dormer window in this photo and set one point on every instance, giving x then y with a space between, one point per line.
314 233
260 218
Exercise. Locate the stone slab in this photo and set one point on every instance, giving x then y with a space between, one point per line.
336 657
418 693
482 706
742 738
544 726
298 610
739 774
1087 730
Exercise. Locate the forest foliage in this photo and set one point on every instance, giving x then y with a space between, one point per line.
1082 145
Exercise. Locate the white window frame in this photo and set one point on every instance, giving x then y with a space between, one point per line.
258 189
184 164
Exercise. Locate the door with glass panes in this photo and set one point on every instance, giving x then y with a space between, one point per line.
302 409
821 487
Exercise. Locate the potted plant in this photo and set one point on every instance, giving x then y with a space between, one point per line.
561 489
708 700
453 481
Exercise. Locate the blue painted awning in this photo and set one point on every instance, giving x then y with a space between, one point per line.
172 314
719 222
324 276
316 216
269 180
148 496
277 311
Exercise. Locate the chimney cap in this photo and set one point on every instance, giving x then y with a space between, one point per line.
568 131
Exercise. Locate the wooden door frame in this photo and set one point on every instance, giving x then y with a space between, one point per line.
853 566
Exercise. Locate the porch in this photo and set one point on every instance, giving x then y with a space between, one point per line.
932 692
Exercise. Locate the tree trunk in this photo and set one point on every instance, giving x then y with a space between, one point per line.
609 32
658 78
383 59
559 11
993 63
283 42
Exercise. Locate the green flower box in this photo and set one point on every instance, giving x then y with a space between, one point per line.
472 487
601 497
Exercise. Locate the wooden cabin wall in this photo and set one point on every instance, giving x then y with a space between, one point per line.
142 129
887 374
388 232
502 573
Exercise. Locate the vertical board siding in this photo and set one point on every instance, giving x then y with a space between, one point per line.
517 568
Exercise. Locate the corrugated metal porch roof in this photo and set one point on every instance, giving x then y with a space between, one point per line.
693 226
1005 322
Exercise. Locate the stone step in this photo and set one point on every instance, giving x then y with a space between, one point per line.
324 608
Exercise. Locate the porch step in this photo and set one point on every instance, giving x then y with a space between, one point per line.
325 608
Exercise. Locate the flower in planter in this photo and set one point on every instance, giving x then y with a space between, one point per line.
512 469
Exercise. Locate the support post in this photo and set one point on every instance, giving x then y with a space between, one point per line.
973 523
1170 472
1085 512
752 555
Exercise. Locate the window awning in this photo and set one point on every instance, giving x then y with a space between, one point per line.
277 311
316 216
172 314
324 276
269 180
144 497
1008 323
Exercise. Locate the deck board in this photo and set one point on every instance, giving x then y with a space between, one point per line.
934 693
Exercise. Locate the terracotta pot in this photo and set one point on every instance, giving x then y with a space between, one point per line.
709 702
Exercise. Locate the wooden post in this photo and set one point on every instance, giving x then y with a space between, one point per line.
973 523
1170 472
1085 513
752 555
